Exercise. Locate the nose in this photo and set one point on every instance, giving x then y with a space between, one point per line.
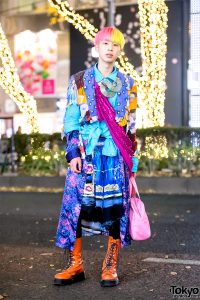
110 46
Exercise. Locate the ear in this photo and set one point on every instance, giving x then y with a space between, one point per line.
120 52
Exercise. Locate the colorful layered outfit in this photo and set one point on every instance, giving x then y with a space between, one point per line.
98 195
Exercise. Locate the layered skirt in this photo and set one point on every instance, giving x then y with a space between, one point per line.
98 195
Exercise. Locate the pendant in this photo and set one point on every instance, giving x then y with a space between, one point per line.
110 88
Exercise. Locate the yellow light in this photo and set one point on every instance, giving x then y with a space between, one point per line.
155 147
151 85
153 21
10 82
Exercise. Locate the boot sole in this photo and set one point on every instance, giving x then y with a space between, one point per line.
76 278
109 283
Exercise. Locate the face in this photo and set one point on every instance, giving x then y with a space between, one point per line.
108 51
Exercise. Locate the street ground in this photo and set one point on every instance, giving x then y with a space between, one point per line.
29 259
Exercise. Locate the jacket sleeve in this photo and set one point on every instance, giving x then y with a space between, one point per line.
131 124
71 121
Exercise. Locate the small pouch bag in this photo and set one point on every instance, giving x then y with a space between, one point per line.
139 227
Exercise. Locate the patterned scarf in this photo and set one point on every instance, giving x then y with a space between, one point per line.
106 113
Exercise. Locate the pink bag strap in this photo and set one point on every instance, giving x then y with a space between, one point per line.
133 185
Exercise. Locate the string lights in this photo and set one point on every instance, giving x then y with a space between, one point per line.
151 85
10 82
155 147
68 13
153 24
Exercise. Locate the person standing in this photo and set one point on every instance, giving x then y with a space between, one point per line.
99 126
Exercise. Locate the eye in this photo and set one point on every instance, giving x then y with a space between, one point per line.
116 45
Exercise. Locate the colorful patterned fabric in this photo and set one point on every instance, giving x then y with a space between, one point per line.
72 145
99 194
77 114
102 186
122 99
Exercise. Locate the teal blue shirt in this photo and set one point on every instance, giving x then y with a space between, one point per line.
92 131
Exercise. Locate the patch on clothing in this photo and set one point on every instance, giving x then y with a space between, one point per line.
111 187
89 169
99 189
88 189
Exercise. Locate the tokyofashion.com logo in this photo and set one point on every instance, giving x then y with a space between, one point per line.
184 292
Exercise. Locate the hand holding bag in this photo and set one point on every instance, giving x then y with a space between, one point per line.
139 227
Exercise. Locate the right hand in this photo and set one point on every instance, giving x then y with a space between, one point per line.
76 164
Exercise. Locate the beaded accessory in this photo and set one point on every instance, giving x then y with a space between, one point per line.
110 87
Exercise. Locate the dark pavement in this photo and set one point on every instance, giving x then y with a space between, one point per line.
28 258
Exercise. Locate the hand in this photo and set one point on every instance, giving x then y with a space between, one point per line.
75 165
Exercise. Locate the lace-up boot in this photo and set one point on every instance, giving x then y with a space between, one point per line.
109 275
75 271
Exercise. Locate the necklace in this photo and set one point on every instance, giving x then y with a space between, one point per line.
110 87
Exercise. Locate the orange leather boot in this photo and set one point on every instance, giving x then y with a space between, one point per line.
109 275
75 271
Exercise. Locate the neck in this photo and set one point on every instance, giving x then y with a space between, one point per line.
105 68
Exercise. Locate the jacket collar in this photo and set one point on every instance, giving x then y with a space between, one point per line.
122 99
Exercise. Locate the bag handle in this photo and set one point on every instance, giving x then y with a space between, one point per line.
133 185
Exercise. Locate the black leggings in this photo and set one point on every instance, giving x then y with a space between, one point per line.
114 230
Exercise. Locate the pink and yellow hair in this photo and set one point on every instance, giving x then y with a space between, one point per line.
110 33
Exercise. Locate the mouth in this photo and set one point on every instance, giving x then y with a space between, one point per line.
109 55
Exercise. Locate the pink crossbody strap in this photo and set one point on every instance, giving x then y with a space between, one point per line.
133 185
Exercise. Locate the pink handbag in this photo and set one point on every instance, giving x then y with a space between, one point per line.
139 227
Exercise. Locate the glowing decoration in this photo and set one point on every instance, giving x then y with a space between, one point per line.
10 82
153 21
68 14
151 85
155 147
63 11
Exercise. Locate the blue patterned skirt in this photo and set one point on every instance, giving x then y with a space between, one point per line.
102 200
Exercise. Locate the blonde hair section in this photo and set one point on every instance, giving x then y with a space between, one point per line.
117 37
111 33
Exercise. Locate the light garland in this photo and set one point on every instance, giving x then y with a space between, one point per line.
10 82
64 10
155 147
151 85
153 21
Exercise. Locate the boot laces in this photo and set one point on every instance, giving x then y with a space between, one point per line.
68 260
110 257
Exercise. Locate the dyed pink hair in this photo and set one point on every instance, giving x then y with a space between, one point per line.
110 33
